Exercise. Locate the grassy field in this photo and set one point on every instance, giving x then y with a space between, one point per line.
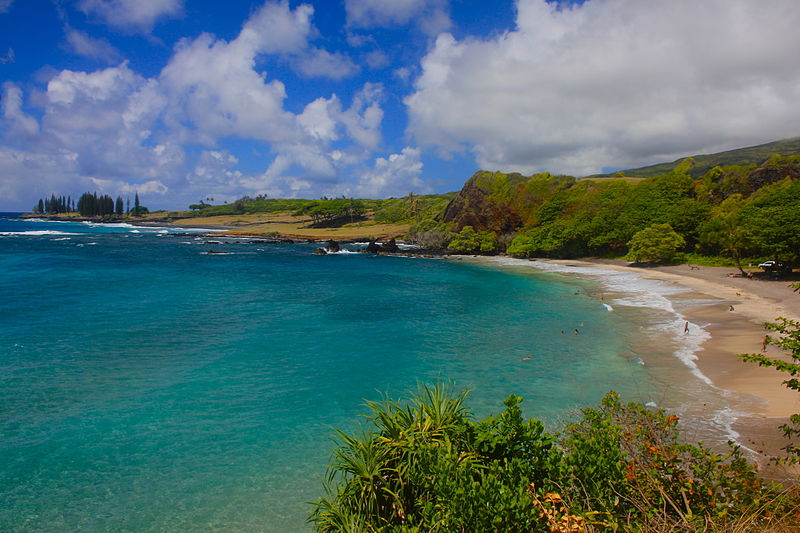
286 225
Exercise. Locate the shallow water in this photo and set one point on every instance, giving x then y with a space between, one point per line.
150 386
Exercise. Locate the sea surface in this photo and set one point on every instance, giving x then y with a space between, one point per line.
167 380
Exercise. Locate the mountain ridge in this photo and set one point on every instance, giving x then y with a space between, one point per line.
749 155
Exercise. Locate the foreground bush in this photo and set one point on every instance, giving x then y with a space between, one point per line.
427 466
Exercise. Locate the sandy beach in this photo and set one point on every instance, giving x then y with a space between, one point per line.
735 323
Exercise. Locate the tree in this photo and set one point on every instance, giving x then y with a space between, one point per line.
138 209
726 232
470 241
119 208
656 244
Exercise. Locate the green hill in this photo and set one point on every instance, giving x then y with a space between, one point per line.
752 155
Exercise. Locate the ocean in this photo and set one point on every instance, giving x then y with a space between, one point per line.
161 379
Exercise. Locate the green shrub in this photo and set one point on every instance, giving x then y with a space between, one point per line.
469 241
428 466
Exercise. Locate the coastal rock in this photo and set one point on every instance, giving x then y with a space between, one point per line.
372 248
320 251
332 247
391 247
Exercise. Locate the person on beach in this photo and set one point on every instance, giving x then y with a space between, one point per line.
686 327
764 343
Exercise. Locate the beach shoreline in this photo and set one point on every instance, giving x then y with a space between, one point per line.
733 313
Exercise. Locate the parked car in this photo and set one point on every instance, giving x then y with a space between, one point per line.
775 267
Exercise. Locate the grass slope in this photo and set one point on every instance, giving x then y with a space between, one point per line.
752 155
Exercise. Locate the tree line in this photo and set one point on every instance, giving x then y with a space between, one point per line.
90 205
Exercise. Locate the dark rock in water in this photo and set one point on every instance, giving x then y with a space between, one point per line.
372 248
391 247
332 247
320 251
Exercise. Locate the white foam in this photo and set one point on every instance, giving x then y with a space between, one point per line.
62 239
135 231
608 307
36 233
343 251
639 292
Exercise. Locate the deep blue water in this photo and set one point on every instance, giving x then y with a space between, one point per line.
146 385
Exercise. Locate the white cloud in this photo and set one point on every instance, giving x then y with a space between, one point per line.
83 44
431 15
613 83
115 188
376 59
132 15
19 123
276 28
321 63
116 129
215 92
396 175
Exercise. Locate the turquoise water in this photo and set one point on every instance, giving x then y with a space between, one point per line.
146 385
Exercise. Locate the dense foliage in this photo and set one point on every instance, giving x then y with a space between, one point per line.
88 205
428 466
469 241
733 211
655 244
54 205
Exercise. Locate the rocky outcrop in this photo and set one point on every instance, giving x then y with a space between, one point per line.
486 203
770 174
332 247
389 247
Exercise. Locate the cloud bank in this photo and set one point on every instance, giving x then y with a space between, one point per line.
114 130
612 83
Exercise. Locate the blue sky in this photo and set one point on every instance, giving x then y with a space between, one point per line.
182 100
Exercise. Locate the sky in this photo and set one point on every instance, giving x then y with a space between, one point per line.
183 100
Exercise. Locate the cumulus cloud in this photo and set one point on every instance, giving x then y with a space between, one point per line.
612 83
119 131
18 123
395 175
83 44
132 15
321 63
122 187
432 16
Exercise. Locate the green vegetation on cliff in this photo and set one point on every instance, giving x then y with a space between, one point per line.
426 465
738 211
